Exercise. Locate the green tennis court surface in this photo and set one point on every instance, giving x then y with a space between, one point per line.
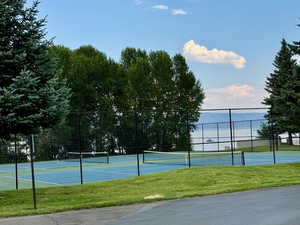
53 173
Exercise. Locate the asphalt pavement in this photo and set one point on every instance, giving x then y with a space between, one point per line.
274 206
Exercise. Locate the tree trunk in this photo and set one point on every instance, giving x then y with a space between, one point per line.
99 143
161 140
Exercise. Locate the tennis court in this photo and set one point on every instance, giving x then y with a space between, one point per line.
262 158
53 173
66 172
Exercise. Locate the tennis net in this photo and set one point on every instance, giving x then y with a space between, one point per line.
88 157
196 158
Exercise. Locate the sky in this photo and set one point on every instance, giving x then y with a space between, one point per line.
229 45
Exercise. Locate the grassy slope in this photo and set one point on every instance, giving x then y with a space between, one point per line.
197 181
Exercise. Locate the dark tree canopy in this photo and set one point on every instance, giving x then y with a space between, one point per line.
150 92
31 93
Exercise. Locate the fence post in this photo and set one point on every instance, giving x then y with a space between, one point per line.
251 135
218 136
231 137
80 150
272 138
202 126
16 164
276 141
243 159
233 134
136 145
32 150
187 138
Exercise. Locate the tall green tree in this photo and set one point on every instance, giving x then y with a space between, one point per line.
136 116
98 90
282 86
31 93
163 101
167 94
188 99
296 46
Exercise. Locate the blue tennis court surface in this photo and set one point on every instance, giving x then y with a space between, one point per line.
262 158
53 173
98 174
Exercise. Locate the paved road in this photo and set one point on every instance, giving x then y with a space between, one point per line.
277 206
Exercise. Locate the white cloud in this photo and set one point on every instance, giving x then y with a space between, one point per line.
161 7
234 96
139 2
198 53
179 12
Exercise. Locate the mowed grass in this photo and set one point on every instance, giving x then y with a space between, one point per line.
197 181
282 147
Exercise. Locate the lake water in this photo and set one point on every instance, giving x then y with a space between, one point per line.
215 127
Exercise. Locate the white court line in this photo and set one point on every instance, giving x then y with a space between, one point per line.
29 180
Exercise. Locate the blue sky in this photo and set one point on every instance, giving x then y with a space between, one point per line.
245 36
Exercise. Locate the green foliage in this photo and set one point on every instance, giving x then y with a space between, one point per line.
7 151
296 46
265 132
141 101
283 86
31 94
165 94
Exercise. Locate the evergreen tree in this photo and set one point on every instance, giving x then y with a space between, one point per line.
282 86
31 93
296 46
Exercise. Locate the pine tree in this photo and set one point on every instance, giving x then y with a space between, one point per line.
31 94
296 46
282 87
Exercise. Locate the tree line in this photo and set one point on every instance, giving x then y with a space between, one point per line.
147 100
81 100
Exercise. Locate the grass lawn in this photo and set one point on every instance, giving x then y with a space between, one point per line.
197 181
282 147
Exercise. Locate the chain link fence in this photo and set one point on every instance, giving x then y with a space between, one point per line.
91 146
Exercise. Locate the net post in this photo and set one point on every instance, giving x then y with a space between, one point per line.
32 171
80 150
107 157
187 138
16 164
231 136
243 158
